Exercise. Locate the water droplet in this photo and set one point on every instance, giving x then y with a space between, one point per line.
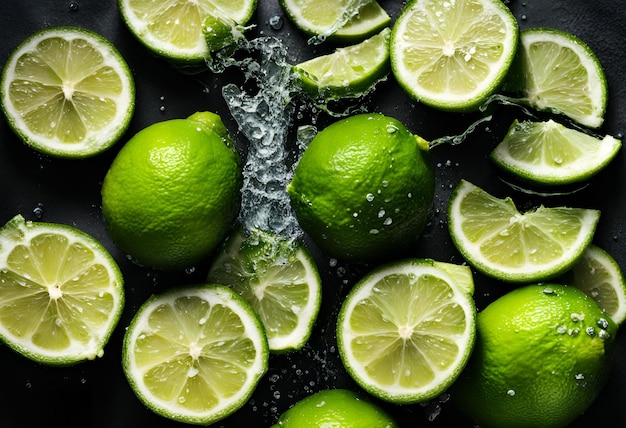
73 6
276 22
510 392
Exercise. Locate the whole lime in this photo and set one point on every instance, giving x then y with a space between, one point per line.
172 193
542 354
339 408
363 188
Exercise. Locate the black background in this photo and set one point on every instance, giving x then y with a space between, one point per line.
95 393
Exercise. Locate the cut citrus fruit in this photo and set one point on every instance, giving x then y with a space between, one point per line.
61 292
67 92
176 29
406 330
349 71
341 20
278 278
558 72
452 55
551 154
500 241
195 354
600 277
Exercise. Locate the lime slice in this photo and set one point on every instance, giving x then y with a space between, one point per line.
551 154
349 71
67 92
175 29
503 243
406 330
195 354
341 20
278 278
61 292
600 277
558 72
452 55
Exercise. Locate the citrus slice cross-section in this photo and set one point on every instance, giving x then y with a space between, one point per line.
320 17
67 92
558 72
61 292
551 154
406 330
348 71
279 278
195 354
452 55
175 29
501 242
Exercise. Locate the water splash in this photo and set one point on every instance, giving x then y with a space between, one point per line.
458 139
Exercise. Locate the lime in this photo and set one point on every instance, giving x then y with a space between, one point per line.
406 330
452 55
558 72
278 277
67 92
363 188
341 20
542 354
172 193
549 153
500 241
335 408
598 274
195 354
61 292
176 29
348 71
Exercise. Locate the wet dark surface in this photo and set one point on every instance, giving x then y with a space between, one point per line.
95 394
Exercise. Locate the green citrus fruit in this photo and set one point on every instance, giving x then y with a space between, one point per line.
172 193
363 188
339 408
541 356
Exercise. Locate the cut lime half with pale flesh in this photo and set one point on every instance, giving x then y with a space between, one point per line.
406 330
504 243
550 153
67 92
349 71
279 278
452 55
61 292
195 354
556 71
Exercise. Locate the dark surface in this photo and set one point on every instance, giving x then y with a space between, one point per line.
95 394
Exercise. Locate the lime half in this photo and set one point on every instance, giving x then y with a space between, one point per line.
61 293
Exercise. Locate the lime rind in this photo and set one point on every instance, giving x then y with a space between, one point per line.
279 278
406 330
59 85
503 243
453 55
549 153
192 340
61 292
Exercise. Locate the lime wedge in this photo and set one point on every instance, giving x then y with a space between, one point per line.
551 154
558 72
452 55
341 20
406 330
61 292
195 354
176 29
278 278
349 71
67 92
501 242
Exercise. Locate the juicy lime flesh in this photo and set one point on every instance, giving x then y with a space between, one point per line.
55 303
194 354
64 90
